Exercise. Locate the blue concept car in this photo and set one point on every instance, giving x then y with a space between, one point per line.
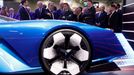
55 46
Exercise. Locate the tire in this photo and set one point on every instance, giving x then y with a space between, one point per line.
65 52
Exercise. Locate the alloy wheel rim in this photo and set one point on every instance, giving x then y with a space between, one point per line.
65 52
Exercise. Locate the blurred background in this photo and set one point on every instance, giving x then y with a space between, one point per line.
73 3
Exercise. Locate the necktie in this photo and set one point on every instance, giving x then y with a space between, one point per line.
12 15
40 9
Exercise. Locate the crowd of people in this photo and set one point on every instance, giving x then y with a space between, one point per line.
86 14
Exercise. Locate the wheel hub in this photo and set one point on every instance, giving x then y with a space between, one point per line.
64 73
65 53
66 56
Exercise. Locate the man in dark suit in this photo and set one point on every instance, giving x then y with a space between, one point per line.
89 12
50 11
59 11
113 18
24 14
101 18
40 11
32 14
78 14
12 13
67 13
120 15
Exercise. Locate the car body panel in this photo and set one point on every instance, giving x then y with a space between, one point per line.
24 38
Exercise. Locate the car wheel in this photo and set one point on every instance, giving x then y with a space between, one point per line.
65 52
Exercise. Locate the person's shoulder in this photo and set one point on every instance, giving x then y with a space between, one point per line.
36 9
81 15
115 13
47 10
70 11
120 11
93 8
105 12
58 10
21 8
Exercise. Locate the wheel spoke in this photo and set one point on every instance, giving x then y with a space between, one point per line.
73 67
76 60
58 38
67 38
75 40
49 53
65 63
72 51
82 55
57 67
54 59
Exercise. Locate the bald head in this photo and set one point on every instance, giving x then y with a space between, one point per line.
29 9
40 4
102 8
11 9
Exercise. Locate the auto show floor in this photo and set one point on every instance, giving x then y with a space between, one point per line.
121 66
112 73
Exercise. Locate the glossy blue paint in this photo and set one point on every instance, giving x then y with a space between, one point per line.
9 62
26 36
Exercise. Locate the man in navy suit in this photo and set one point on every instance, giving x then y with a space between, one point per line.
120 15
12 13
24 14
89 12
78 15
59 11
32 14
51 11
101 18
40 11
113 19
